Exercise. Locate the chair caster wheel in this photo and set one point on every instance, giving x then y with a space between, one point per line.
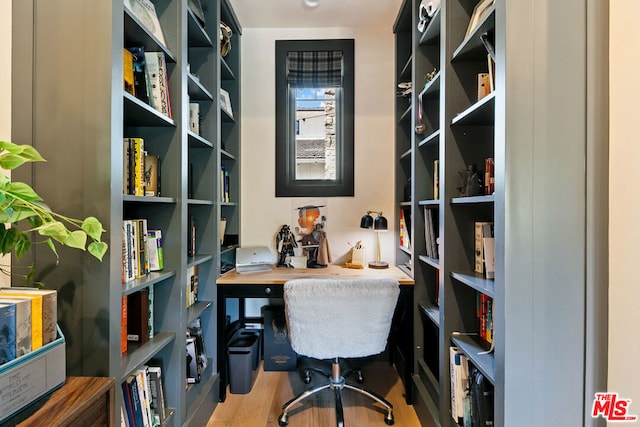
282 420
388 419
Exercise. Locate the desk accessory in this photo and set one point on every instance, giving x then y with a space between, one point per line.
379 224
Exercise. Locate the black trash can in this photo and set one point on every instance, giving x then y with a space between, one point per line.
242 353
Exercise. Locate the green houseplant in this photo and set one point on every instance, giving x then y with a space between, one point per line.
23 212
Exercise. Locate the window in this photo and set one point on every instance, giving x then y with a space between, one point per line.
314 118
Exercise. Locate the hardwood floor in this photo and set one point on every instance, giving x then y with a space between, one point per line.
263 405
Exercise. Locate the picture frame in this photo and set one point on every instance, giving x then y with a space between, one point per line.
479 12
225 102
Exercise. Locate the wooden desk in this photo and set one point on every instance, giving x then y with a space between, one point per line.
80 402
270 284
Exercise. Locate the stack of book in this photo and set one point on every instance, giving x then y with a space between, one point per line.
143 398
28 319
141 170
142 250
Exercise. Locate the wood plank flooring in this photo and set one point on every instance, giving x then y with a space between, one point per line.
263 405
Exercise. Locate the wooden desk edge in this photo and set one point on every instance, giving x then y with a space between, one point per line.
278 276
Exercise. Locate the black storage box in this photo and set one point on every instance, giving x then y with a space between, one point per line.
278 354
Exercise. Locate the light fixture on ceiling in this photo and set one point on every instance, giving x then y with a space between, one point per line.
311 3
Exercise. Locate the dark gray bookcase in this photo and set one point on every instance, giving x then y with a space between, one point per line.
538 125
68 101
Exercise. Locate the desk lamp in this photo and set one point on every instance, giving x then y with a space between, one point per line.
379 224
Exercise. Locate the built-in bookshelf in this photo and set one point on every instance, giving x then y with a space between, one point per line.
73 107
477 106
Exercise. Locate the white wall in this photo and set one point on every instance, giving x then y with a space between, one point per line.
5 92
624 203
263 213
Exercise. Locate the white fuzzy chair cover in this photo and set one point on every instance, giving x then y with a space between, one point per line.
340 318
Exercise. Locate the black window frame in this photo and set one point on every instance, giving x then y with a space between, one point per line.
286 183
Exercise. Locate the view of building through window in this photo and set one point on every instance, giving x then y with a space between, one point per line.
315 133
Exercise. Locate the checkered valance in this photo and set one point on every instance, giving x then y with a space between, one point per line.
314 68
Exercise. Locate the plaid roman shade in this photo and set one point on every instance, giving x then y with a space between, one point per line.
314 68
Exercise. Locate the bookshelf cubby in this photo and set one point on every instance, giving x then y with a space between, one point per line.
72 107
523 125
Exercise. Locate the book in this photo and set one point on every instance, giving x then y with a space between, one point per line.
138 316
128 251
156 385
124 421
23 323
127 403
136 405
36 315
154 250
479 12
143 392
193 375
459 373
123 325
141 90
436 179
405 237
151 175
7 332
49 309
127 71
488 243
150 318
194 117
143 260
192 285
484 85
191 237
157 82
489 176
479 229
145 12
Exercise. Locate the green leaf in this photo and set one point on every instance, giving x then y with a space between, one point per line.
4 180
92 227
98 249
54 229
11 161
76 239
32 154
52 247
22 246
10 147
23 191
9 240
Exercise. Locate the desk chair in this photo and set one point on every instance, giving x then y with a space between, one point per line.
333 319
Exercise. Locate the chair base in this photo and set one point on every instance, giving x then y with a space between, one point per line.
337 383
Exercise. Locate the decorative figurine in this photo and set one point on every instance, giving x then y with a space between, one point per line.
314 238
285 242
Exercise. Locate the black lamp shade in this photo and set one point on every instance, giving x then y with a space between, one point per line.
366 221
380 223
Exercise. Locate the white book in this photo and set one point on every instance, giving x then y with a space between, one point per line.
158 404
141 380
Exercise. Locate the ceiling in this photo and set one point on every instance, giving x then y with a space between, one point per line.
328 13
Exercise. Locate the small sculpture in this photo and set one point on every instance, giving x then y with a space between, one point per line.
285 242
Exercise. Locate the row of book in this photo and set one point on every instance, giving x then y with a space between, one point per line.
137 318
140 170
484 249
28 319
484 314
146 77
143 398
142 249
471 394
